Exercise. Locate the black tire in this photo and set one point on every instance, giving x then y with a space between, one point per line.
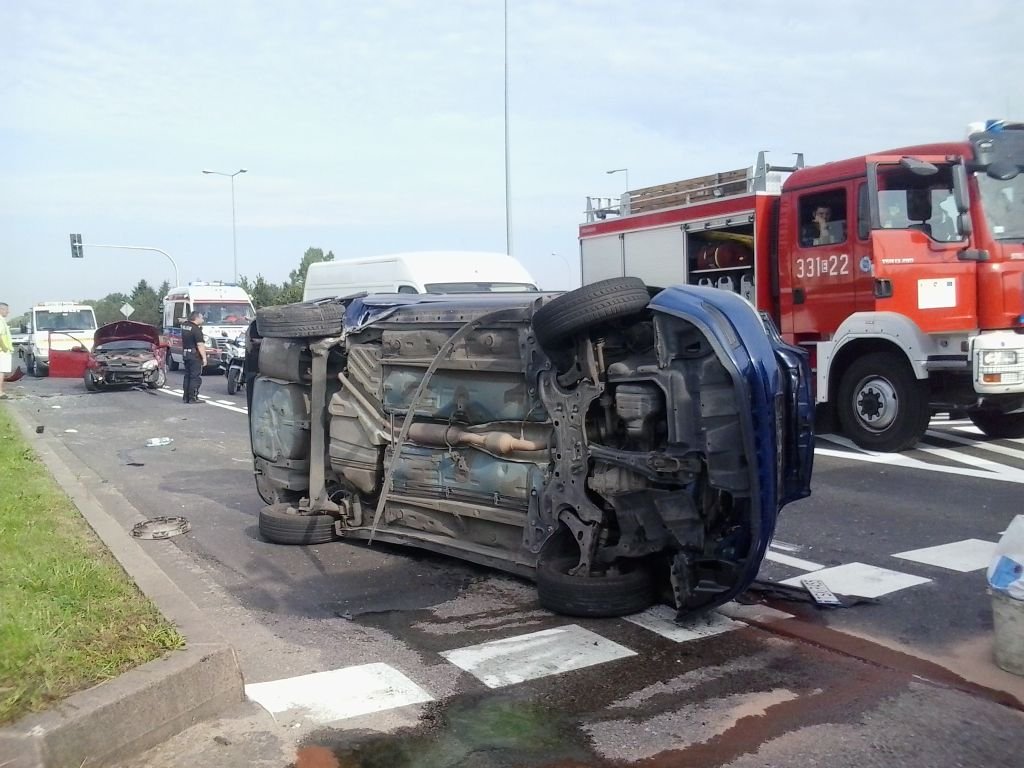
300 321
574 312
881 405
171 362
90 382
233 374
998 425
280 526
606 596
39 370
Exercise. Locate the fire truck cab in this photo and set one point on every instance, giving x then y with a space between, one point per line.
902 272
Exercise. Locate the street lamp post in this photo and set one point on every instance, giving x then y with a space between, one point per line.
624 200
234 235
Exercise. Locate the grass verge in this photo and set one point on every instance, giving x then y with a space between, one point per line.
69 615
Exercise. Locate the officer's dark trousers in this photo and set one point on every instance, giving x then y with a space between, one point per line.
193 378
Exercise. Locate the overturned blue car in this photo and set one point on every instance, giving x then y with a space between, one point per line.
617 445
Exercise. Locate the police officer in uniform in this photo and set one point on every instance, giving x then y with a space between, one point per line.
194 352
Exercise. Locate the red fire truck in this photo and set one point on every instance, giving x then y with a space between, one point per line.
901 272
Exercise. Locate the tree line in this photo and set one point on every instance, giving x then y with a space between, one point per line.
148 301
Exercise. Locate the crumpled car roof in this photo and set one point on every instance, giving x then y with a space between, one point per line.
125 330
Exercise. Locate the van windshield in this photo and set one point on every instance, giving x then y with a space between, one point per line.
79 320
479 287
225 312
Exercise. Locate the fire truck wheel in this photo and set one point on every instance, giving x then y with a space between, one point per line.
999 425
881 404
305 320
574 312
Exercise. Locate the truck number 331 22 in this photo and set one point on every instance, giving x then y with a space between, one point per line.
822 266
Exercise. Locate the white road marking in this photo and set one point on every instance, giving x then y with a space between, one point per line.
227 402
754 612
862 580
899 460
326 697
215 403
538 654
784 546
973 461
661 619
979 444
963 556
794 562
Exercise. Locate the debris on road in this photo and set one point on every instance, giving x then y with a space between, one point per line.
161 528
155 442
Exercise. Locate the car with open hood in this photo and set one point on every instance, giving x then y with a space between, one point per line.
125 353
616 444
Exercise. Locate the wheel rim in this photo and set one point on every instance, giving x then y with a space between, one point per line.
875 403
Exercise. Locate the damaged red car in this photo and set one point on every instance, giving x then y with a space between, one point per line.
125 354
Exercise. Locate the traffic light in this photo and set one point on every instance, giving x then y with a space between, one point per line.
76 247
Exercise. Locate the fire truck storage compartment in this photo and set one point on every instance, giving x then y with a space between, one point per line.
722 257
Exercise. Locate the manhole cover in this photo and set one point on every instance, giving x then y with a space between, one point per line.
161 528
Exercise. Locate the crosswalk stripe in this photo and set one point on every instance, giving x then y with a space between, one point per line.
338 694
961 556
538 654
862 580
795 562
981 445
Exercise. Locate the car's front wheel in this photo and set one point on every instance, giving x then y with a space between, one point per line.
580 310
233 378
157 380
615 593
90 381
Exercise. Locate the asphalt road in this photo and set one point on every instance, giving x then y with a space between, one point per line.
463 667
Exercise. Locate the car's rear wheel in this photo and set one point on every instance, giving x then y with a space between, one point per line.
577 311
998 425
617 593
302 320
171 362
281 524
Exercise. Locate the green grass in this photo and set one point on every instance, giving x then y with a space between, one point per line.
69 615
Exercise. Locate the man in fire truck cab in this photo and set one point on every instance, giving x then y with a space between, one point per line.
821 230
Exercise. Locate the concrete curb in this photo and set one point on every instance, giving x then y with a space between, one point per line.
147 705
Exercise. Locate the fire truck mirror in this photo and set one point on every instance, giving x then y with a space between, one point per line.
1003 170
960 197
919 167
966 228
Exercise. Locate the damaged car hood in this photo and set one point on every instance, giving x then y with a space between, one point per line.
125 330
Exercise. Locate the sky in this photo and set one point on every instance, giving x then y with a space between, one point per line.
376 127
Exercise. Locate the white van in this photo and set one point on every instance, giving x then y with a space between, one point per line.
418 272
227 311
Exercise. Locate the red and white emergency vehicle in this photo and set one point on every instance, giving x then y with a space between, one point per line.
902 272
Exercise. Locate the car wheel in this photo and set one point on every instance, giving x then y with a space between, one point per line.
171 362
281 524
881 404
233 374
574 312
302 320
158 380
613 594
90 381
998 425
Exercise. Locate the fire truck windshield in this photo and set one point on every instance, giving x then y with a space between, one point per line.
1003 203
